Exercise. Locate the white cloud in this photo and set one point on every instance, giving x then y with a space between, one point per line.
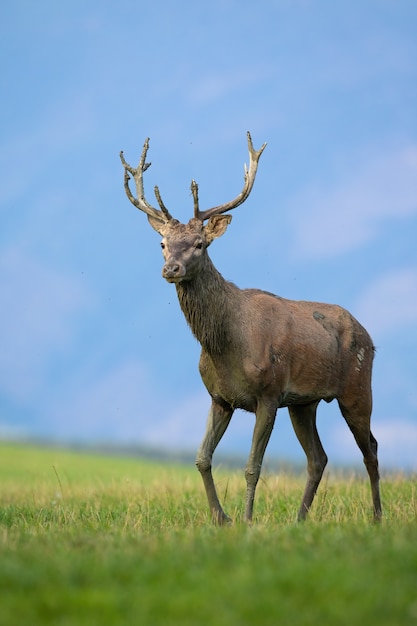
390 302
397 443
183 425
11 431
68 121
38 305
125 405
116 404
334 219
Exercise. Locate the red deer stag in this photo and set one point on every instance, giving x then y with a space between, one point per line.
261 352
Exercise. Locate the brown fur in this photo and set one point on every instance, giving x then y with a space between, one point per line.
261 352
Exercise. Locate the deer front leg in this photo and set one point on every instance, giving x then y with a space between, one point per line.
217 422
265 419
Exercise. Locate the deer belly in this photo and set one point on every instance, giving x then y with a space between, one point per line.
291 398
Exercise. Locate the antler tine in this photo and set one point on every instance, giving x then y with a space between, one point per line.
140 201
161 204
250 174
194 191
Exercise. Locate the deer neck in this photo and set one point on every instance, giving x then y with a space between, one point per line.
205 301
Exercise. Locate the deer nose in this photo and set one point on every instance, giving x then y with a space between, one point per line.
170 270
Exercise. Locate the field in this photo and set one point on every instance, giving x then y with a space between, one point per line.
87 539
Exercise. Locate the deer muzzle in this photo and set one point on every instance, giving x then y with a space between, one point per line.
173 272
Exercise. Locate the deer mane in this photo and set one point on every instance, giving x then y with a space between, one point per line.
205 301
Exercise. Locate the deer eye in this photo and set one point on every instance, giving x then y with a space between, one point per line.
199 245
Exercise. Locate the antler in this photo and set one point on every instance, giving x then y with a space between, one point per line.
140 202
250 175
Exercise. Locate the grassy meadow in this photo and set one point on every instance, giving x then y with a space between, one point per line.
88 539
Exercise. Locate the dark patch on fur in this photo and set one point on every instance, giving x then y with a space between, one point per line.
319 317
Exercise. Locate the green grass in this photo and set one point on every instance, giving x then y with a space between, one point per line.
88 540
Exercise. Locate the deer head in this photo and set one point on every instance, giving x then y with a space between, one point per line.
184 245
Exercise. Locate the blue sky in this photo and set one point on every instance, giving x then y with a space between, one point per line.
93 344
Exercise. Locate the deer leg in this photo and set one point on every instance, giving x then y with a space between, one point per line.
303 418
358 420
265 419
217 422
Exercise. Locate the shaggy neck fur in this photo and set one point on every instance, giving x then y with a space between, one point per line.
205 301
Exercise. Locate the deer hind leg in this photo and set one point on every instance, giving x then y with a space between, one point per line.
217 423
303 418
358 419
265 419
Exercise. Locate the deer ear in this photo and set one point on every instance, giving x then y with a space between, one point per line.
157 225
216 227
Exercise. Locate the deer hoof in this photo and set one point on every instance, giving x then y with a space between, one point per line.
221 519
